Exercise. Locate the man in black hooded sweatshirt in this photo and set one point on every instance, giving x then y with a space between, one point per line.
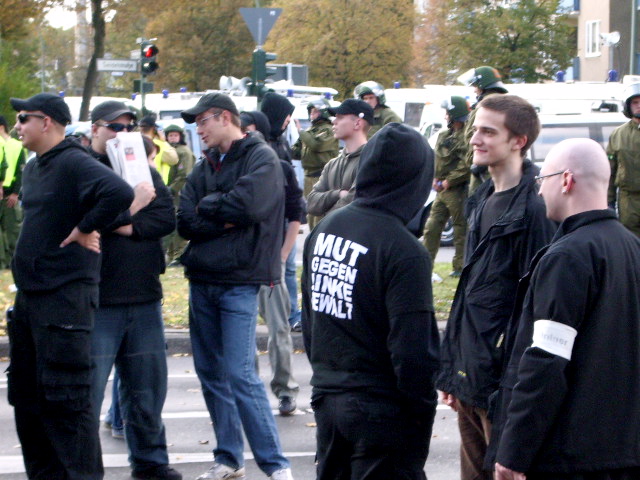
278 110
367 319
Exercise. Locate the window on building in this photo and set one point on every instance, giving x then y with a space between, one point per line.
593 38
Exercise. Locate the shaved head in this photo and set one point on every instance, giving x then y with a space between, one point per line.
578 178
584 157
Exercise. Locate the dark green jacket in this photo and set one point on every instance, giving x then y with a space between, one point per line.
381 116
451 162
315 147
624 156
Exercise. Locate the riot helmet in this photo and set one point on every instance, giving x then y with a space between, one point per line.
485 78
370 87
457 108
630 92
320 104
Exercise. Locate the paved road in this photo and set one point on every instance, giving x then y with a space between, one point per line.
191 439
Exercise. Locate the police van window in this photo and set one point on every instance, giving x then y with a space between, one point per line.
552 134
413 113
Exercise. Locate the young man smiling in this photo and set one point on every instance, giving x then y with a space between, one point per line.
507 226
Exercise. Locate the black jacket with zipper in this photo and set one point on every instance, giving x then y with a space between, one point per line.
472 348
246 190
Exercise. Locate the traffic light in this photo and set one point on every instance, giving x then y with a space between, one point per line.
148 64
260 71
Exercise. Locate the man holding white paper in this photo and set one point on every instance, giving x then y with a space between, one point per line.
129 330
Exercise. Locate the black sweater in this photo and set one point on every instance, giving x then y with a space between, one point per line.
62 189
131 266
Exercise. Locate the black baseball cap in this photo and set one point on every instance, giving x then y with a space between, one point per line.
149 122
110 110
353 106
51 105
210 100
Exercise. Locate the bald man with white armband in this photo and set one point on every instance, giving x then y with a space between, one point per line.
568 404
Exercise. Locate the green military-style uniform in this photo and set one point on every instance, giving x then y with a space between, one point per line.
174 244
315 147
450 165
474 181
624 156
14 156
381 116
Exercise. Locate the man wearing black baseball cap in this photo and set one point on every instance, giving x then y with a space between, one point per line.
337 184
129 331
232 211
67 197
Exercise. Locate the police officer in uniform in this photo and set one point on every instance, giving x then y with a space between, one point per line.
624 156
373 93
486 81
450 181
315 146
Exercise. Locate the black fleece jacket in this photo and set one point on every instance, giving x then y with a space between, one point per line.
62 189
131 265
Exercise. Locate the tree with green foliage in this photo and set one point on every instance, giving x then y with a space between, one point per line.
346 42
200 41
527 40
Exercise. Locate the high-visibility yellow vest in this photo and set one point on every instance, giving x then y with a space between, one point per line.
162 167
12 149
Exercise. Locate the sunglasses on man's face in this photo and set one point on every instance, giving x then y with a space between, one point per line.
118 127
24 117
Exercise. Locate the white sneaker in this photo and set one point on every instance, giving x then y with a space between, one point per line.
283 474
435 278
219 471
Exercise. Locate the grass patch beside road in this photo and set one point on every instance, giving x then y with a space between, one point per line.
175 307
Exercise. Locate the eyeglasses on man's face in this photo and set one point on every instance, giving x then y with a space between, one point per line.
118 127
540 178
202 121
24 117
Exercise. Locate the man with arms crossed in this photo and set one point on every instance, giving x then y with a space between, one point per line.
337 184
232 212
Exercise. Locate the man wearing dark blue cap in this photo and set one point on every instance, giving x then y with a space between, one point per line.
336 186
67 197
368 321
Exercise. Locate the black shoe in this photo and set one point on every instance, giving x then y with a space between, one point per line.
297 327
287 406
455 273
160 472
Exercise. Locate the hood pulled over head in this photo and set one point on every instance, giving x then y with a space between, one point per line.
276 107
395 172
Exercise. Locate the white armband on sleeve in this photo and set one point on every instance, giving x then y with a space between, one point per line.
554 337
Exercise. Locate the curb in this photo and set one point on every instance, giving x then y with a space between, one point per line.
178 341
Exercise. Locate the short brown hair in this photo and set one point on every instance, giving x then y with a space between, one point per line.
521 118
235 119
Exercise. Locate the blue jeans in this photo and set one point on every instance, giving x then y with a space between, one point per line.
132 336
291 279
222 323
114 417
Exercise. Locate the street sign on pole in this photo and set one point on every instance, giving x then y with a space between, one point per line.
114 65
260 21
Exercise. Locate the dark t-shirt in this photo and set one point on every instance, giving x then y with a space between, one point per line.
493 209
